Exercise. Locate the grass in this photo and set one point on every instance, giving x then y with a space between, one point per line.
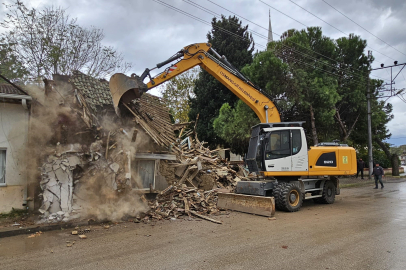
14 213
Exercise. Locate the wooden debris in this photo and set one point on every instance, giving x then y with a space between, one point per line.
206 218
181 200
35 234
107 145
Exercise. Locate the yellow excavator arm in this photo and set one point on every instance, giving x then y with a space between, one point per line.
198 55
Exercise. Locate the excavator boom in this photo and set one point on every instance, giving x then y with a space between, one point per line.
124 89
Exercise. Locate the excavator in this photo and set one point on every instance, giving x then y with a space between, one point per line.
287 172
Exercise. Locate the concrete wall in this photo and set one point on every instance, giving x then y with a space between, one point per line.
13 138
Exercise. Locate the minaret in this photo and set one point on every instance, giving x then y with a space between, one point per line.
270 37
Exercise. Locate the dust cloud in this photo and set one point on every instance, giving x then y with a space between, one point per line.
103 178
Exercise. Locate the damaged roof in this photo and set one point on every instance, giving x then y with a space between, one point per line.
151 112
96 92
9 89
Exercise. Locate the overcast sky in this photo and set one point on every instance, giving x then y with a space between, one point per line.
147 32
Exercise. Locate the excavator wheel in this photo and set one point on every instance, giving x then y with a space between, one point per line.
288 197
328 194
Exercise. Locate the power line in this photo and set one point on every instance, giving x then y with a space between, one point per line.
218 15
362 27
349 68
264 37
199 19
335 27
260 35
283 13
228 32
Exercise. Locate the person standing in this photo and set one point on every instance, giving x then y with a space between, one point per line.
360 167
378 173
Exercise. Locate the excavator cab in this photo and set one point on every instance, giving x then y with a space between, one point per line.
276 147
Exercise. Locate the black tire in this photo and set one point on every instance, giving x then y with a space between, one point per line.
288 197
328 195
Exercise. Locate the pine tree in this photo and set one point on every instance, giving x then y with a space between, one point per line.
228 37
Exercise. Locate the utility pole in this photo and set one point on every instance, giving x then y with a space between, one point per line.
370 157
393 92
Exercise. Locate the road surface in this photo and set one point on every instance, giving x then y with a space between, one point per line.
363 229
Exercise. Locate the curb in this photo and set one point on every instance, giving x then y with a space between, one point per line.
44 228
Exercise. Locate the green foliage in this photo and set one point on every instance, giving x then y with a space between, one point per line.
310 83
378 154
10 66
269 73
400 150
14 213
234 126
210 94
49 42
177 93
301 81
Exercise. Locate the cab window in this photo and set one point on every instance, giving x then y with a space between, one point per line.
296 141
278 145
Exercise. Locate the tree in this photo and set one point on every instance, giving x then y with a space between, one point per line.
177 94
210 94
49 42
352 70
321 81
312 86
10 66
234 125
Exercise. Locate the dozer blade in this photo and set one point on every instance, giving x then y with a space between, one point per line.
258 205
125 89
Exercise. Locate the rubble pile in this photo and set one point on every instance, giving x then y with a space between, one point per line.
200 173
176 201
200 167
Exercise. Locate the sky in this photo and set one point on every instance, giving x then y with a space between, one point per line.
147 32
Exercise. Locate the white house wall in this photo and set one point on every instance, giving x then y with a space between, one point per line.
13 138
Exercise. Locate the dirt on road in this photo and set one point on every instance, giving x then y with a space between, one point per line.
363 229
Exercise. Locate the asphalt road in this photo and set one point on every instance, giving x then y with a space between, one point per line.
363 229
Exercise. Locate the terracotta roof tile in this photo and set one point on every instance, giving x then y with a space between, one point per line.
96 93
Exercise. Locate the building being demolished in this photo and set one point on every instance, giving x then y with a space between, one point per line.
96 164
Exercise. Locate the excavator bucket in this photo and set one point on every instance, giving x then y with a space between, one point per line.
125 89
258 205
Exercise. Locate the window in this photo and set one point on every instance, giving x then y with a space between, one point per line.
296 141
146 172
278 145
3 166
